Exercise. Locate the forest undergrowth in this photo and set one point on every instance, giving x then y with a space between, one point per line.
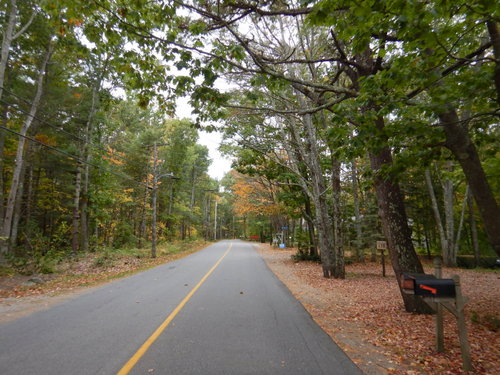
89 269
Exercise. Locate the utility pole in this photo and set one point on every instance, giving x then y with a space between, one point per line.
215 221
155 189
208 213
156 177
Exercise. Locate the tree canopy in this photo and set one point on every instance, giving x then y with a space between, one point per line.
349 122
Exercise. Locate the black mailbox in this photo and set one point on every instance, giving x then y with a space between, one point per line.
427 285
435 288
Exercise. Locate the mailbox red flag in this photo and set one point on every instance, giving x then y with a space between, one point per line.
432 290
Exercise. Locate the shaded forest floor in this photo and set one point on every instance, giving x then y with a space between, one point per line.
364 314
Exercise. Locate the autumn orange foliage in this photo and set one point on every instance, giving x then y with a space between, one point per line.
255 196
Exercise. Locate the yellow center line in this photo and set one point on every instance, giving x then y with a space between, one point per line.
144 348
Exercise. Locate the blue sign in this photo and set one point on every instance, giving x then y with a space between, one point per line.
284 227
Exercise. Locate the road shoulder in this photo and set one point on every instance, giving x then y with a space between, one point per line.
328 315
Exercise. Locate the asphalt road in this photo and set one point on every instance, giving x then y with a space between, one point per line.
219 311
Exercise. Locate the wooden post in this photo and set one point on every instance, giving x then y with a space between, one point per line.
439 309
462 328
383 262
382 246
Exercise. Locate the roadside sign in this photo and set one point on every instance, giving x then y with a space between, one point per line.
381 245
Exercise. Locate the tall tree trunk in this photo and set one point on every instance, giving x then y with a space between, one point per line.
17 208
473 228
142 229
2 158
8 38
75 232
339 266
460 227
84 204
495 41
308 216
449 219
323 220
193 190
171 199
309 153
9 211
435 210
30 194
28 164
84 208
357 215
458 141
395 223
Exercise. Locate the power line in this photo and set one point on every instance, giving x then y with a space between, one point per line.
57 128
74 157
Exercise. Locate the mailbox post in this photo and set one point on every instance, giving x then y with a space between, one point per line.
439 309
441 293
382 246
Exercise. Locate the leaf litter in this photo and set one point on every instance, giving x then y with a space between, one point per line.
365 316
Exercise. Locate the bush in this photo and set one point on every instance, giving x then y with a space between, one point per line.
124 236
47 264
349 260
301 256
104 259
468 261
36 262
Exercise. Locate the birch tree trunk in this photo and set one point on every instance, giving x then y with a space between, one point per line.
8 38
435 210
339 266
19 161
2 146
460 227
30 194
75 232
84 207
323 220
473 228
495 41
449 220
142 229
17 209
357 216
304 151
